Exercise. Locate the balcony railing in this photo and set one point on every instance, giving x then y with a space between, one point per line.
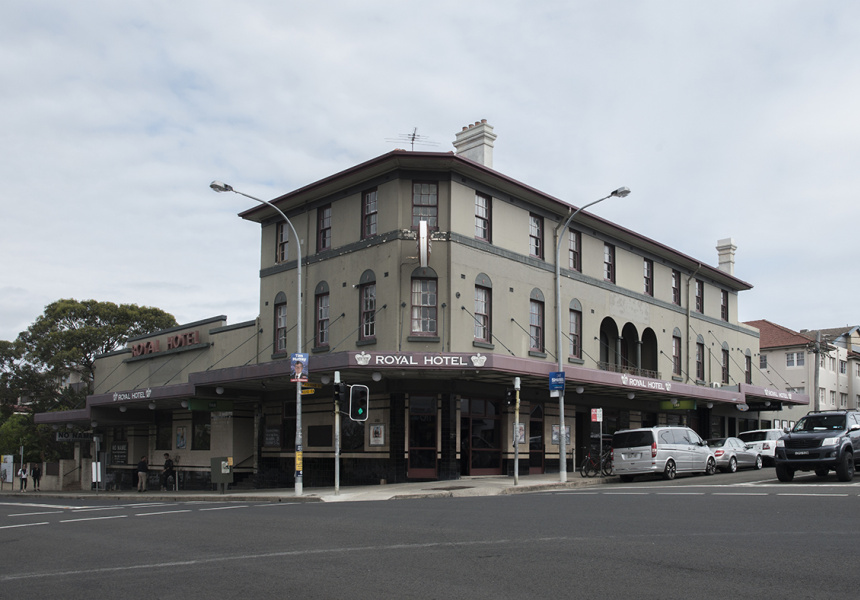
605 366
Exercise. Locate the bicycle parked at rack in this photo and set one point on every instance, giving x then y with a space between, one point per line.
591 465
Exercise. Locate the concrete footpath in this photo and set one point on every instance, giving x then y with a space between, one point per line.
466 486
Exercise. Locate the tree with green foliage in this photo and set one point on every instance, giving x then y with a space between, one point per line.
66 339
58 348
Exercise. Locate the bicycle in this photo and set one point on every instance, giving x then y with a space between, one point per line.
590 466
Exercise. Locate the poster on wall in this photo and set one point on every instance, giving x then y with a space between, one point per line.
555 435
377 435
180 437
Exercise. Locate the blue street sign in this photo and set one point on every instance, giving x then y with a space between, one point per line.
556 380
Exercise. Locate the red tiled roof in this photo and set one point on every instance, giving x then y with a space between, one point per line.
776 336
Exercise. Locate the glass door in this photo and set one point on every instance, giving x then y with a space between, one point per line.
536 441
422 437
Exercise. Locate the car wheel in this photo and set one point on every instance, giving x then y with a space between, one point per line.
784 473
670 470
758 462
627 478
733 465
711 467
822 471
845 468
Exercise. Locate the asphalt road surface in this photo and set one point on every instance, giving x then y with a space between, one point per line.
727 536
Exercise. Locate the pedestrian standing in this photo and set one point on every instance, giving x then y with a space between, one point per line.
36 473
22 473
167 472
142 474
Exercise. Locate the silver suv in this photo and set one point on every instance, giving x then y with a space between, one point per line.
664 451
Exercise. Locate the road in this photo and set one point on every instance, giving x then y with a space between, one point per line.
730 535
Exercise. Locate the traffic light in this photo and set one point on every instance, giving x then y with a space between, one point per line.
510 396
358 402
339 392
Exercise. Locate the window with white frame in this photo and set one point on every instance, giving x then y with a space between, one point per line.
280 326
676 287
369 213
609 262
322 319
482 217
424 306
368 311
282 242
575 333
676 355
425 204
536 235
700 296
536 325
648 276
762 361
574 255
843 367
482 314
324 228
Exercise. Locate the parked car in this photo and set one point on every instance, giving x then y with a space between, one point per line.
821 441
664 451
764 440
732 453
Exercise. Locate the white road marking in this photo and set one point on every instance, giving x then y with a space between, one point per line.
93 519
22 525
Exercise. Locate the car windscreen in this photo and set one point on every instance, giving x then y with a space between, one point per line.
632 439
753 436
820 423
716 443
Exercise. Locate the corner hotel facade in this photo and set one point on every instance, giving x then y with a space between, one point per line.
438 334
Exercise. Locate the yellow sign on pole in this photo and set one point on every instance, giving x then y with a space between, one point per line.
306 392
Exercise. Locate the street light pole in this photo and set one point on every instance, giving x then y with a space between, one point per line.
223 187
562 442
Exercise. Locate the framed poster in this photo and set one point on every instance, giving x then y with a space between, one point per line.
566 435
377 435
180 437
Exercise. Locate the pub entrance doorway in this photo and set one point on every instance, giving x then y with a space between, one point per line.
480 437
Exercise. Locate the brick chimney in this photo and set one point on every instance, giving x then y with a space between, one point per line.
475 142
726 253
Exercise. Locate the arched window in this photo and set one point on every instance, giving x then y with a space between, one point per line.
483 308
322 300
575 329
536 321
367 305
280 318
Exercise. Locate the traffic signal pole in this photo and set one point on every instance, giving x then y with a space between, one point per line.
336 433
517 433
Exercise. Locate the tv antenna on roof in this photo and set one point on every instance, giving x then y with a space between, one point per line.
412 138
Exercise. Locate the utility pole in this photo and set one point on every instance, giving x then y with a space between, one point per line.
816 405
336 433
517 432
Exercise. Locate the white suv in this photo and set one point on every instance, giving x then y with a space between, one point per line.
662 451
763 440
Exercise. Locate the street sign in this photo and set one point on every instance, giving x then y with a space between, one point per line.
556 380
596 415
69 436
307 392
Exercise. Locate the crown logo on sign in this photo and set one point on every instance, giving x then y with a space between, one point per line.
148 392
624 378
668 387
115 396
479 359
362 358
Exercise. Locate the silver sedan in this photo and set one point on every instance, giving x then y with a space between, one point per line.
732 454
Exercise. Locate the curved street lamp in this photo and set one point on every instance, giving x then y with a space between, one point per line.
223 187
562 446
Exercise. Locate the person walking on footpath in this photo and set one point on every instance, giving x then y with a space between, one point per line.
142 474
36 473
22 473
167 472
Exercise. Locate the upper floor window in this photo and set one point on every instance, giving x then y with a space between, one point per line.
536 324
282 236
725 365
575 331
609 262
762 361
368 311
425 204
748 369
321 314
324 228
573 250
648 276
795 359
700 359
724 305
482 217
676 287
423 306
280 323
535 235
676 355
368 213
700 296
482 314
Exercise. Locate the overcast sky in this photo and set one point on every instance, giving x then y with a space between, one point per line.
726 119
